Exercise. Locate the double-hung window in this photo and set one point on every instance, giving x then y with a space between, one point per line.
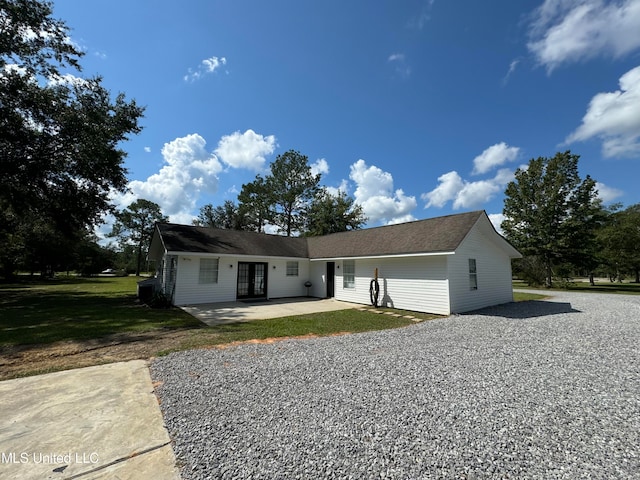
349 274
208 270
292 269
473 274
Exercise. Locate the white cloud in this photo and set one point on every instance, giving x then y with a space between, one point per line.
245 150
400 64
374 192
449 185
466 194
208 65
188 170
67 79
420 20
512 68
342 188
147 149
615 118
494 156
320 166
607 194
564 31
496 220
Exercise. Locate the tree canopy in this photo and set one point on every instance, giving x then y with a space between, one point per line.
550 212
134 226
291 186
329 213
60 135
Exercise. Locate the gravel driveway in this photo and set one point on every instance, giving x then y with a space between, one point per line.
531 390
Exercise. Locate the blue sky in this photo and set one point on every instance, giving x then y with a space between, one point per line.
416 108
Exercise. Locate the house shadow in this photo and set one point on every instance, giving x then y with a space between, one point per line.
526 309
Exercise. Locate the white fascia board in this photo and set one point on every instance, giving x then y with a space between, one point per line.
402 255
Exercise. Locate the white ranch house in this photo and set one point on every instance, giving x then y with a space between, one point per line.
442 265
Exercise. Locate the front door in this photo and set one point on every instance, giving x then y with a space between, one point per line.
331 272
252 280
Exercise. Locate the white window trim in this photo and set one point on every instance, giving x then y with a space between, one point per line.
346 284
208 275
473 274
292 268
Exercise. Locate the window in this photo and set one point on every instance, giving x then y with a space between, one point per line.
473 274
208 270
349 274
292 269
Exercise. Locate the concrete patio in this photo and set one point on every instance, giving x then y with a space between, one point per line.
231 312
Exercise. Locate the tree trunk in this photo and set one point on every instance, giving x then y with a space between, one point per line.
549 272
591 281
139 259
637 275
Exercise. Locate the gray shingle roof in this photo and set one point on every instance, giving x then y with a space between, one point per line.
441 234
188 238
434 235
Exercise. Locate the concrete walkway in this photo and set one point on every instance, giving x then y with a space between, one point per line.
231 312
99 422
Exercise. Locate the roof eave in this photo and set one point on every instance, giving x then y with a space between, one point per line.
397 255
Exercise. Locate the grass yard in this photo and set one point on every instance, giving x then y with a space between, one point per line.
526 296
74 322
583 286
79 309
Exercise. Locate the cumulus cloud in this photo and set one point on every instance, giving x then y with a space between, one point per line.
375 193
245 150
320 166
496 220
188 170
465 194
607 194
207 66
449 185
564 31
342 188
147 149
67 79
614 117
494 156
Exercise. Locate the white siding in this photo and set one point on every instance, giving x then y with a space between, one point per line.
280 285
190 292
408 283
493 273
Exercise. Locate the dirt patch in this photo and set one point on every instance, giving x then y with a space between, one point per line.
275 339
23 360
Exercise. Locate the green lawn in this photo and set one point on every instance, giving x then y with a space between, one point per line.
526 296
42 312
582 286
79 309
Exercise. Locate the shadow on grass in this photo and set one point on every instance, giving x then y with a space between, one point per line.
526 309
30 316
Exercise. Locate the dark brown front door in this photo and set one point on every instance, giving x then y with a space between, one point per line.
331 275
252 280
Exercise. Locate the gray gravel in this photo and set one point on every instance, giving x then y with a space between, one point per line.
534 390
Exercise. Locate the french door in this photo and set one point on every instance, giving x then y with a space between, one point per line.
252 280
